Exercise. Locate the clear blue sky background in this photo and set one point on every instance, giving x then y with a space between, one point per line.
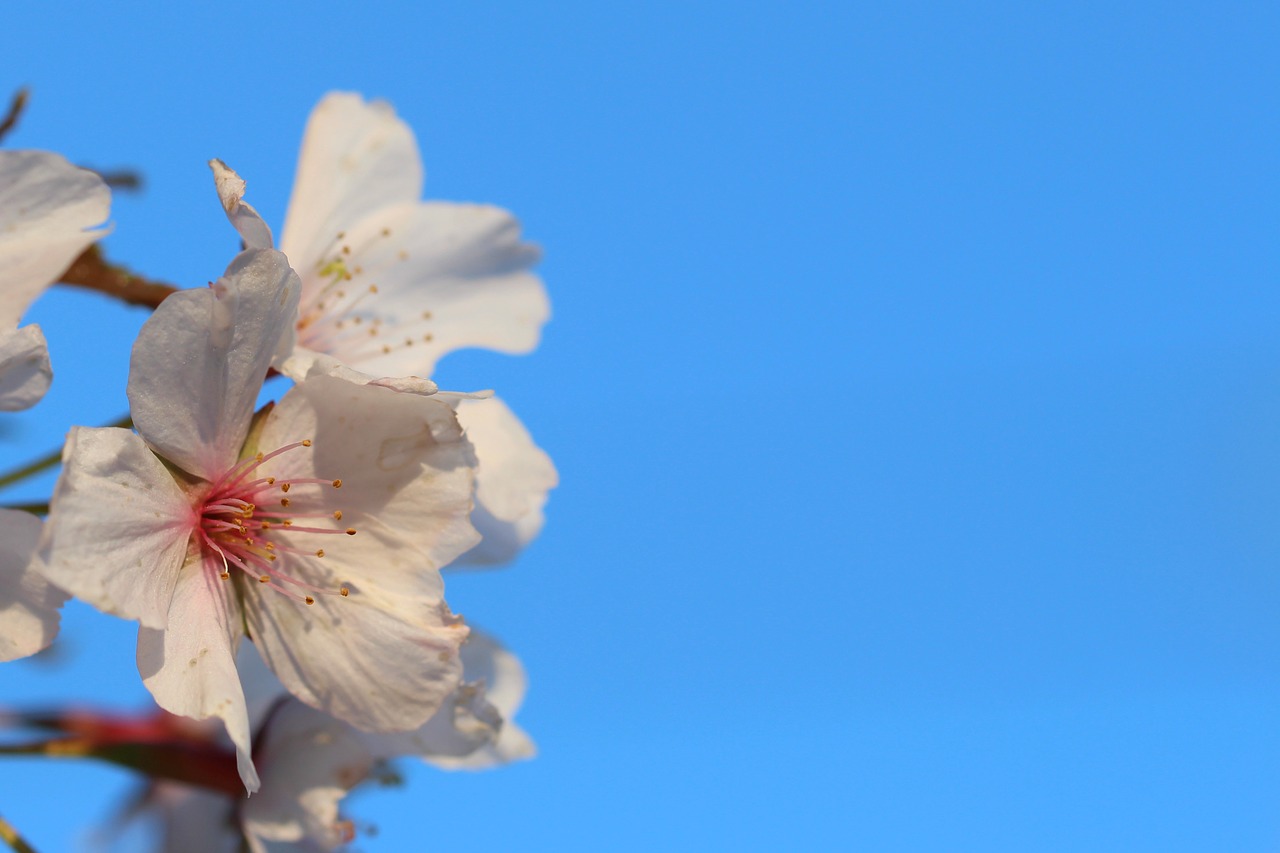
913 380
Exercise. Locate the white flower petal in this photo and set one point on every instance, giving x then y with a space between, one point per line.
465 723
447 276
24 368
384 658
305 364
49 213
190 666
28 602
200 359
309 762
253 230
356 157
485 661
118 526
512 480
194 820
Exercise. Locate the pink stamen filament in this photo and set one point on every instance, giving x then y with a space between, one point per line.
238 514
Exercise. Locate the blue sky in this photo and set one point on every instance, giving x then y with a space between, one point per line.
913 382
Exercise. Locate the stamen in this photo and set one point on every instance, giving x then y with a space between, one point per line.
237 518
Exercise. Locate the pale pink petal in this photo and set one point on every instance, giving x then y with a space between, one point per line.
384 657
24 368
50 211
425 279
253 230
190 666
309 762
28 602
486 662
512 480
200 359
305 364
118 526
193 820
356 157
465 723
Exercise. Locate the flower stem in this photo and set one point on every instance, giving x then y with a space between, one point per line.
11 837
49 460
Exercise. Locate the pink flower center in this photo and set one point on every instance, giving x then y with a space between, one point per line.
243 516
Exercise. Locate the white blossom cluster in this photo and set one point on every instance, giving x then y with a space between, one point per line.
284 562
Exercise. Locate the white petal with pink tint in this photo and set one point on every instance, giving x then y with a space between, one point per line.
118 526
412 282
190 668
29 604
50 211
200 359
357 157
309 762
512 480
252 228
487 663
384 656
25 373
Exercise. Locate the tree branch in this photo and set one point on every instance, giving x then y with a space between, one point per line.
10 836
92 272
16 106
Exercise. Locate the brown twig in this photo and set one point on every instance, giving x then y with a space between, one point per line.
10 836
122 179
91 271
16 106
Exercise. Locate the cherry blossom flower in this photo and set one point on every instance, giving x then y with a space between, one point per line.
390 284
50 211
309 761
316 527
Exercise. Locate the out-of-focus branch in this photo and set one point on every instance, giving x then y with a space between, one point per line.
16 106
10 836
92 271
122 179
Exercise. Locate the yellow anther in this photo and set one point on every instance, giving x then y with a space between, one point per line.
309 600
225 575
264 578
351 531
284 502
337 513
306 442
337 484
344 592
320 552
284 487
